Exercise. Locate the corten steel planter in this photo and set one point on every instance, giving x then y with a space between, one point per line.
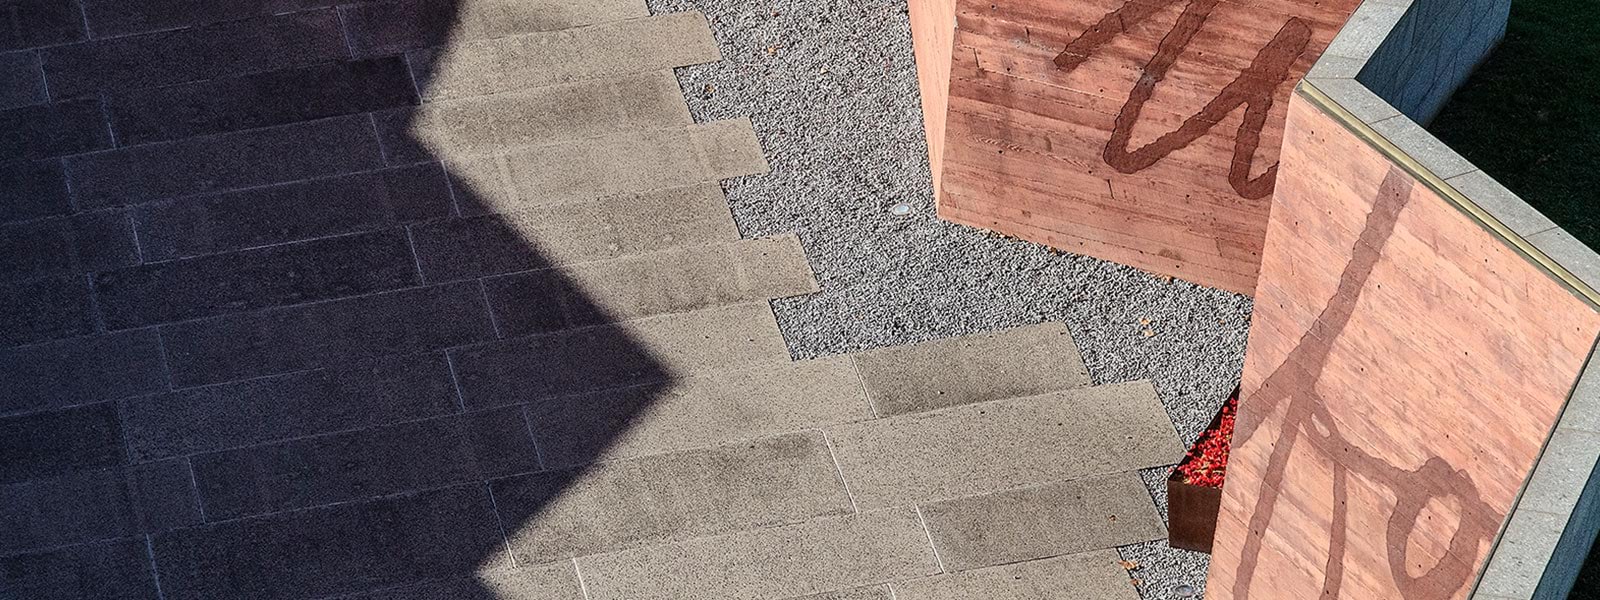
1192 509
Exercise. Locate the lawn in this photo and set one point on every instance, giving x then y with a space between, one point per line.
1530 117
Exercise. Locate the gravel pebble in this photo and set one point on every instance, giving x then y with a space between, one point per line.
831 88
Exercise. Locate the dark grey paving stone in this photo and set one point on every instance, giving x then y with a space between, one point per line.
1087 576
336 550
633 353
367 463
50 130
568 233
39 310
80 371
74 508
378 28
219 417
830 553
667 497
116 569
225 162
170 57
260 100
21 80
30 190
34 23
82 243
111 18
220 284
48 444
457 128
292 212
164 495
555 581
329 333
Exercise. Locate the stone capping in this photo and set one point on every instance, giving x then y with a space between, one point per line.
1547 535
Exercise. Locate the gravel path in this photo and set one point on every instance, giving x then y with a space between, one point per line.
831 87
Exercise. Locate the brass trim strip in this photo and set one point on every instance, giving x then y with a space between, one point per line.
1320 99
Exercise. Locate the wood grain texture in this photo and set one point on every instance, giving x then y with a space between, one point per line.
1403 370
933 30
1139 131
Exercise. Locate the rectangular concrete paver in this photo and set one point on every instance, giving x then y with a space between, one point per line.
395 26
820 555
1047 520
225 162
454 129
171 57
21 80
712 408
208 286
323 334
671 281
231 415
1006 364
51 130
653 43
114 569
670 497
46 444
260 100
620 355
108 18
371 462
51 308
32 189
876 592
618 164
342 549
81 371
82 243
597 229
196 226
35 23
553 581
1087 576
1004 444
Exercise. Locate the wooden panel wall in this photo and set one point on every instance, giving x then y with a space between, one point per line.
1139 131
1403 370
933 30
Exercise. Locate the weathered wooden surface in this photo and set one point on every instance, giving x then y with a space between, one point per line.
1139 131
1404 368
933 29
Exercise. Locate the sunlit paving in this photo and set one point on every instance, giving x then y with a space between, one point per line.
781 300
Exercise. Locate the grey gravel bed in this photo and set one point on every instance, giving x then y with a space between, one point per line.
831 87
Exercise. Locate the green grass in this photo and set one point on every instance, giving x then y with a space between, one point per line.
1530 117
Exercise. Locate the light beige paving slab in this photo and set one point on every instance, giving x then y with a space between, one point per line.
694 277
817 556
1005 364
1087 576
1003 444
575 232
666 497
645 351
876 592
697 411
563 56
1048 520
632 162
455 129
